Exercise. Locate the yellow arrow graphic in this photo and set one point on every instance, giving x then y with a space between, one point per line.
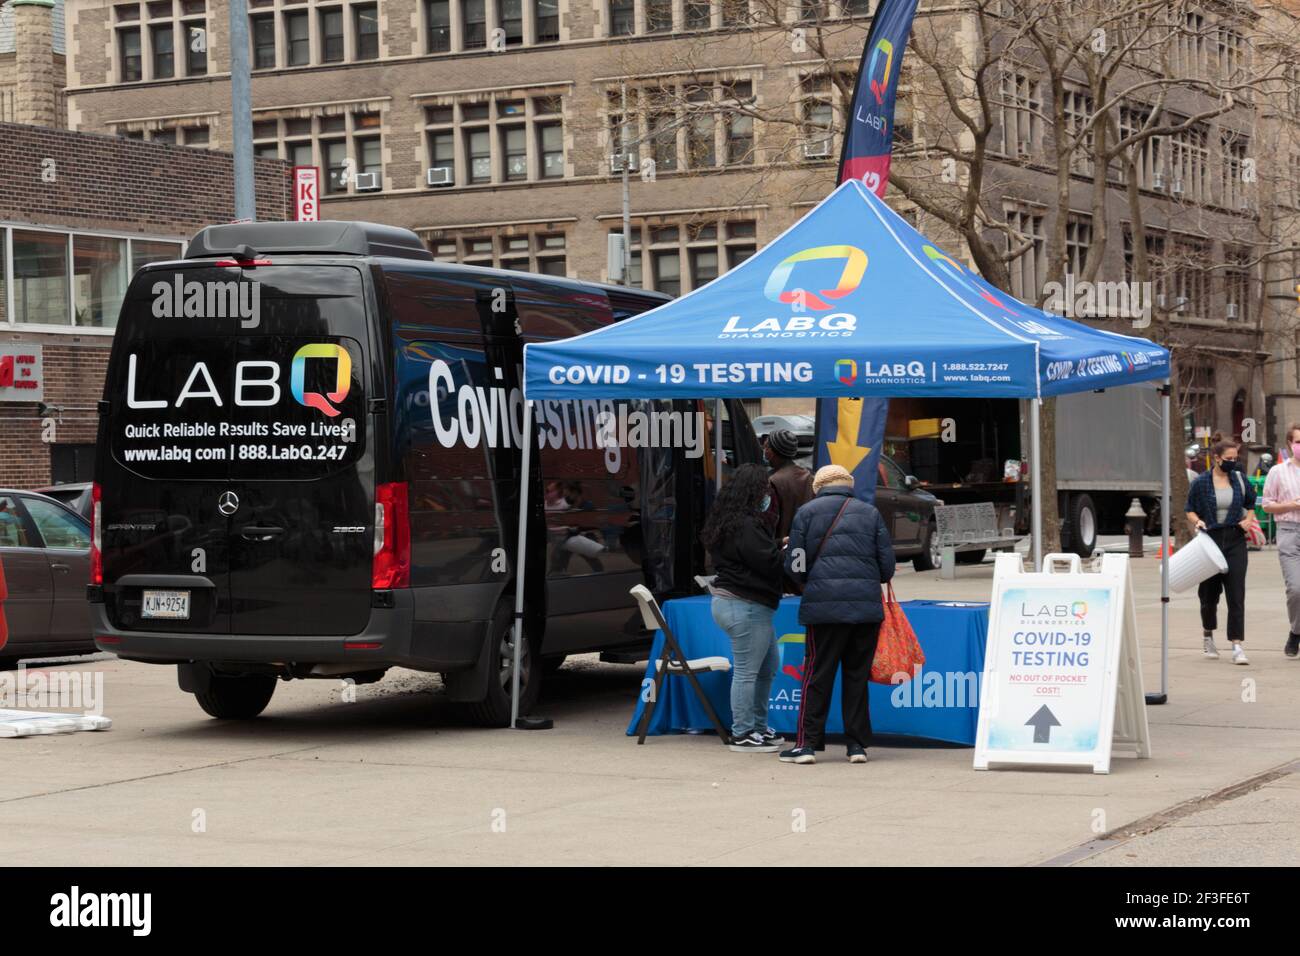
845 450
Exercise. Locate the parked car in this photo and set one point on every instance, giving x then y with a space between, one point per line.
45 549
908 512
76 495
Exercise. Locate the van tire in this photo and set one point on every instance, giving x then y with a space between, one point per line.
494 709
235 696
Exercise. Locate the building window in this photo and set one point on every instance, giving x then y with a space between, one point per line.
512 21
40 277
547 16
740 139
1189 161
1078 239
331 35
442 153
735 12
335 154
699 14
196 47
365 23
658 16
514 143
622 18
1236 285
1233 150
1021 112
297 32
686 255
437 16
99 280
1029 268
550 142
132 66
479 147
162 40
474 13
264 42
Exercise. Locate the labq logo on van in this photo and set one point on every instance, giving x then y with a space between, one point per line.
256 382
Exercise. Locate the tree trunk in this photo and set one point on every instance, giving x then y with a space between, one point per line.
1047 470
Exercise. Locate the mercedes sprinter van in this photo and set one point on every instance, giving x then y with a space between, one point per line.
308 465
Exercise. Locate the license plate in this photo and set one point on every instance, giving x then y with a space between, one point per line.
173 605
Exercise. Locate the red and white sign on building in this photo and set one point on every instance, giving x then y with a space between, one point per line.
21 376
306 193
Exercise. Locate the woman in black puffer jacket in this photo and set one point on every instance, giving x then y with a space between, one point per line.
841 553
746 592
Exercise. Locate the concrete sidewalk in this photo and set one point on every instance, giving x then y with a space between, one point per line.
394 779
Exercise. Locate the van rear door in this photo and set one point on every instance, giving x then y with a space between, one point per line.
241 469
302 540
163 467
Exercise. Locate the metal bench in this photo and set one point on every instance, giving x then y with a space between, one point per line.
971 527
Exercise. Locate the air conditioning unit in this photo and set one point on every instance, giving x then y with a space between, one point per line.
616 162
1160 300
1244 205
1176 189
819 149
1157 181
1180 302
438 176
1232 310
366 182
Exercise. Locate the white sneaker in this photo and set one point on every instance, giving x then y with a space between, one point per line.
1211 651
1239 654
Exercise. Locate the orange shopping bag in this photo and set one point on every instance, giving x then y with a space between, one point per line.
898 651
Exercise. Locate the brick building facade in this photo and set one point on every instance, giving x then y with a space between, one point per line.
79 212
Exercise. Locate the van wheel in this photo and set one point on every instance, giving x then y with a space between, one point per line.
1083 525
931 556
236 696
494 709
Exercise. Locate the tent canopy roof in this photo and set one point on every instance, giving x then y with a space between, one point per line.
849 301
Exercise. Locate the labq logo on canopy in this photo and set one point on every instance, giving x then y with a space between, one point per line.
855 267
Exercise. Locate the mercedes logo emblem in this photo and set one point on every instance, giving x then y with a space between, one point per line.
228 503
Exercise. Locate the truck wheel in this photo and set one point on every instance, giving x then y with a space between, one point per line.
1083 525
931 556
236 696
494 709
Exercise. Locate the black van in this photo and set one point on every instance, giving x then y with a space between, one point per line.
308 466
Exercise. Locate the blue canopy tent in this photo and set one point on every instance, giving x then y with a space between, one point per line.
850 301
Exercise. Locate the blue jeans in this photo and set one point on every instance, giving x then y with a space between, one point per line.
753 650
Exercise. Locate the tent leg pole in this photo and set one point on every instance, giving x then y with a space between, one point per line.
525 484
1163 696
1036 477
717 445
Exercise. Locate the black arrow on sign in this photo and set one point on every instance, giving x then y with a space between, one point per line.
1043 721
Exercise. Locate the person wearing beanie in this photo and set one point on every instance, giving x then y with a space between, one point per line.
841 553
791 485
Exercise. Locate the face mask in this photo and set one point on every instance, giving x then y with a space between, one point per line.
1295 449
1227 466
765 503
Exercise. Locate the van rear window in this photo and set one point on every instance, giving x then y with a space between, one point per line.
263 379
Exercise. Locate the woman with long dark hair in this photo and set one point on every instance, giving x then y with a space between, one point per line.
1219 503
746 592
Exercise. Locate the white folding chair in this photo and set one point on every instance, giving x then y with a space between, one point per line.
672 661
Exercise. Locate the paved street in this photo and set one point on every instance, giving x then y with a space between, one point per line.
394 779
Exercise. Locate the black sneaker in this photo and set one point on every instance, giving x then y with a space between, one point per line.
770 736
752 743
856 754
1292 646
799 755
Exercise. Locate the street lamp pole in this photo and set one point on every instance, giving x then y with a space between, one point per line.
627 197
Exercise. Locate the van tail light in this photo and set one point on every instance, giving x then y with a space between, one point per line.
392 562
96 523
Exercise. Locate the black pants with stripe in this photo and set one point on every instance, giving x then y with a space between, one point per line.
830 647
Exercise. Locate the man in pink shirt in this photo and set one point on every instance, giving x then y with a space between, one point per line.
1282 500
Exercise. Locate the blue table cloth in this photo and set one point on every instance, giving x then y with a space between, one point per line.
941 703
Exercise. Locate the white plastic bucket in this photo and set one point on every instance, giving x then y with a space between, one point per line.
1191 565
